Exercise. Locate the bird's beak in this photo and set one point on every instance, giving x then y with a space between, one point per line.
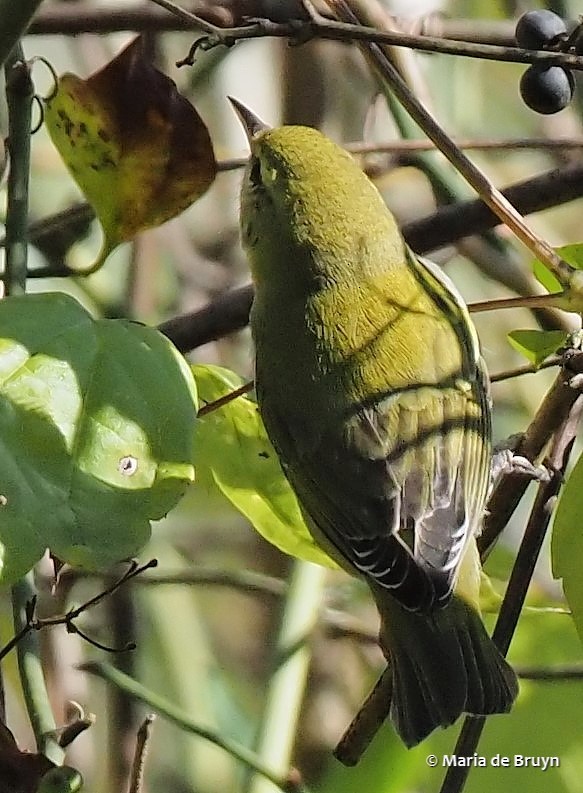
251 123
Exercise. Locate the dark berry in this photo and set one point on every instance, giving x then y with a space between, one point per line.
547 89
535 29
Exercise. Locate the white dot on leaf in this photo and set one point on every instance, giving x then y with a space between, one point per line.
128 465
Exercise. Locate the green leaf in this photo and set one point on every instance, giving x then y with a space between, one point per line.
96 423
572 254
567 543
231 441
544 276
536 345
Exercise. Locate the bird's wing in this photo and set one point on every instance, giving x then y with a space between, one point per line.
396 489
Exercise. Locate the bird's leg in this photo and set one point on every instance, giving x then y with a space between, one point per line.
506 461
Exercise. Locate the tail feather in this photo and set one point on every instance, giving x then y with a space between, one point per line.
443 664
497 676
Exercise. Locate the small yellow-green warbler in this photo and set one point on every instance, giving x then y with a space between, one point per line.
371 386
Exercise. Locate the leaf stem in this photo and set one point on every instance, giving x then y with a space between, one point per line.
172 713
31 674
287 685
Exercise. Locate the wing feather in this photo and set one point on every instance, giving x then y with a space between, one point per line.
393 485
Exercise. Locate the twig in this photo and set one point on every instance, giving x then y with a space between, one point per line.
143 739
402 146
33 623
561 673
19 94
351 30
509 374
224 400
85 17
519 582
525 301
245 581
367 722
454 222
175 715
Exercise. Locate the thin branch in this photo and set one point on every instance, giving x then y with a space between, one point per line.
85 17
33 623
519 582
247 582
224 400
349 29
143 739
524 301
66 735
403 147
133 570
172 713
519 371
367 722
474 144
561 673
19 94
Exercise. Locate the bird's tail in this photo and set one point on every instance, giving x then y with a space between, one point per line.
442 664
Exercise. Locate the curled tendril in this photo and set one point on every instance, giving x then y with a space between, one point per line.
39 102
53 92
205 44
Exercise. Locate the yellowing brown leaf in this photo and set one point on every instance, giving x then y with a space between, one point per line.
136 147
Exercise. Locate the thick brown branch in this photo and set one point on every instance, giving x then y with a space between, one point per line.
227 314
453 222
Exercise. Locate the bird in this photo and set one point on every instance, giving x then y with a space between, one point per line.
374 394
